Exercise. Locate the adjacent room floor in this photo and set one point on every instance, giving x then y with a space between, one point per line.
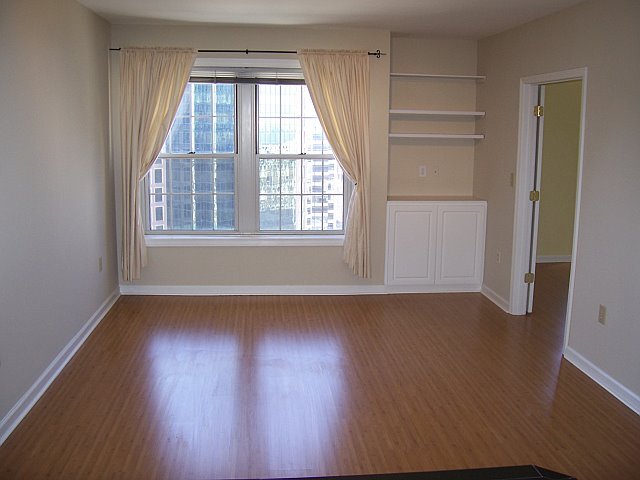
242 387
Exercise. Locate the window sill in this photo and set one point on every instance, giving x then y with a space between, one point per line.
246 240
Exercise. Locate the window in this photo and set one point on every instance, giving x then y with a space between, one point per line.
295 164
193 179
245 159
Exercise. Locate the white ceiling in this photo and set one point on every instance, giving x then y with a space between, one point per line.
450 18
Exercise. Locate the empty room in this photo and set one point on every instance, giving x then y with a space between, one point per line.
249 240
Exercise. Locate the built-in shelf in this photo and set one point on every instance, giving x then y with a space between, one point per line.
459 136
431 75
435 113
460 115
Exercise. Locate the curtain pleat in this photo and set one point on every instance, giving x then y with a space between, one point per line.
152 81
338 83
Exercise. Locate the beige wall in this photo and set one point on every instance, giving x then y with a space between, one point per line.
173 266
605 37
56 185
560 150
453 159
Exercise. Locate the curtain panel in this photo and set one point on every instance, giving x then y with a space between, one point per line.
152 81
338 83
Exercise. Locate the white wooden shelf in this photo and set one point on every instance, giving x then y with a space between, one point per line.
452 136
435 113
430 75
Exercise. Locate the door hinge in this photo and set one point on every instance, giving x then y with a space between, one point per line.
538 111
534 195
529 277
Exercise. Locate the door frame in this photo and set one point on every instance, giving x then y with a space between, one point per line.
534 209
524 181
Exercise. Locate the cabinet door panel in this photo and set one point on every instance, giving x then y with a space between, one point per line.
411 249
460 245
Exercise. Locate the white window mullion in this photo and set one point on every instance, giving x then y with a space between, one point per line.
247 178
192 126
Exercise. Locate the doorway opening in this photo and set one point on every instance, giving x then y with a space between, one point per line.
546 230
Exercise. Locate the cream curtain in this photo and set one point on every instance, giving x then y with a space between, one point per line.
152 81
338 82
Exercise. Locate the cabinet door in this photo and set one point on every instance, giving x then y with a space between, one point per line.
411 244
460 258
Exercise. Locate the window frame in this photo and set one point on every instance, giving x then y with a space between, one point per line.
246 192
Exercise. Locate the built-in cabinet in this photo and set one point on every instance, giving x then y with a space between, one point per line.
435 245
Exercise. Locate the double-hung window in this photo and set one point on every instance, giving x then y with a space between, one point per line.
301 186
192 184
246 158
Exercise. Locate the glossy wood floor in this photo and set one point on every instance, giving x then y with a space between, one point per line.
210 387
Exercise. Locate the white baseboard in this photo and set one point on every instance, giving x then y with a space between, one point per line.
291 289
615 388
431 288
197 290
29 399
553 259
495 298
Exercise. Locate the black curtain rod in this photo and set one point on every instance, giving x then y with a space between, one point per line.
377 53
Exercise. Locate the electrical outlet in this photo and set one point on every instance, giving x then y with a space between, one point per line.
422 171
99 264
602 315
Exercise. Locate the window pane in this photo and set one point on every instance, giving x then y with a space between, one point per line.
190 201
312 212
269 136
269 212
181 135
290 212
202 99
269 171
203 175
224 212
224 175
312 176
312 137
224 134
179 175
179 212
225 100
203 134
332 212
290 176
291 136
333 177
203 212
205 122
290 101
268 101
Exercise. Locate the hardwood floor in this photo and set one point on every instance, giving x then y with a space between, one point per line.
246 387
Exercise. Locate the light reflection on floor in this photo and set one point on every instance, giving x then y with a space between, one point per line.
292 385
299 387
194 384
